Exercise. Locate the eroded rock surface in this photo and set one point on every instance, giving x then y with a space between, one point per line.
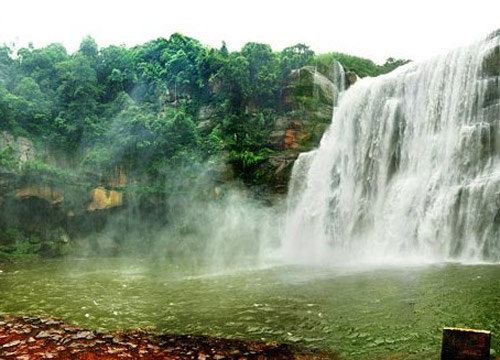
35 338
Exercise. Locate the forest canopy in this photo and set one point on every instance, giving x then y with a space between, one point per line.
144 107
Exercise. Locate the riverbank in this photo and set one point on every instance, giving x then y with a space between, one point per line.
33 338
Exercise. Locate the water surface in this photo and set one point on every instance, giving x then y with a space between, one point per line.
362 313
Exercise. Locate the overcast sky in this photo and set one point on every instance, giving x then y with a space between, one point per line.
377 29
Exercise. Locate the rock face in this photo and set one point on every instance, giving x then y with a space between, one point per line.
22 148
105 199
53 208
490 106
109 197
491 62
308 101
47 193
351 78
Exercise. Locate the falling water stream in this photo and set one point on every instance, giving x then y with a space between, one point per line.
409 170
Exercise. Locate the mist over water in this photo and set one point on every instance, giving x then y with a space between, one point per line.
207 228
408 172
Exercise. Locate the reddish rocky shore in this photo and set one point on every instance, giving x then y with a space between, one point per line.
26 338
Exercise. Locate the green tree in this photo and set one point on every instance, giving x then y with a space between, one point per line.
88 47
78 94
41 65
116 71
29 106
295 57
263 69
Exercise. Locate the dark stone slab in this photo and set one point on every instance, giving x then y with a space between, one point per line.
465 344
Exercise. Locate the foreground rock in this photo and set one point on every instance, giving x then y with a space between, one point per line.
35 338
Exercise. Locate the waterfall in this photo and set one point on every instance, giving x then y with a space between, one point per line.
409 169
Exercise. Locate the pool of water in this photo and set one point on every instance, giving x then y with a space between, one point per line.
361 313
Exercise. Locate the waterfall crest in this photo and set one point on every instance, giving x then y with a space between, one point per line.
408 170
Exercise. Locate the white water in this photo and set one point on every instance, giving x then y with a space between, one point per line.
409 170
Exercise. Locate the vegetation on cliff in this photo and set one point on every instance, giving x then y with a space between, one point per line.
163 105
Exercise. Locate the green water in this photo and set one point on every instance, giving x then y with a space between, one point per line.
360 313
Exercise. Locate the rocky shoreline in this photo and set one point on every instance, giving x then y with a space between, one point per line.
27 338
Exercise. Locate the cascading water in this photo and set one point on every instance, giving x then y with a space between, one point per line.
409 169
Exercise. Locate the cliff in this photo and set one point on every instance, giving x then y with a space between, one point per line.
308 100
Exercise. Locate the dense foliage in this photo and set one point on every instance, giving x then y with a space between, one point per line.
153 108
360 66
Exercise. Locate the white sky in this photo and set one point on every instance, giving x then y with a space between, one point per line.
375 29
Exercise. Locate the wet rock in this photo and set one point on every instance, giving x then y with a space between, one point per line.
491 62
492 92
114 351
52 322
33 320
70 329
89 335
277 171
12 343
43 334
351 78
116 340
134 345
48 355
